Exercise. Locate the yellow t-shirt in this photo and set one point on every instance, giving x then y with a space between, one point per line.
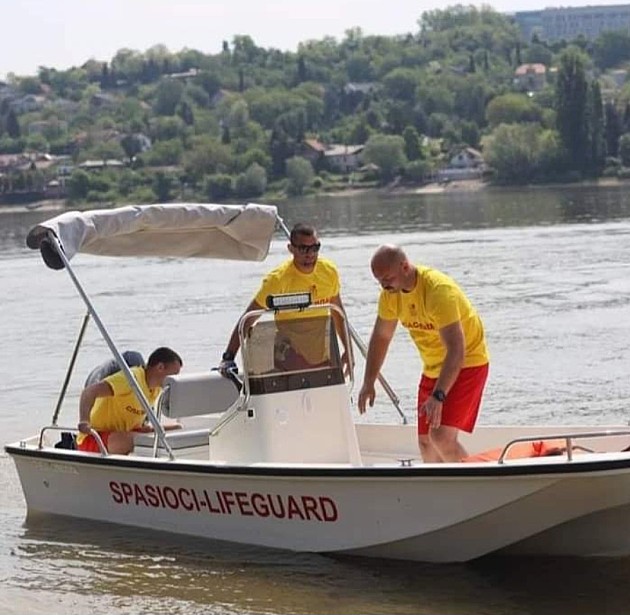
436 302
322 283
308 337
122 411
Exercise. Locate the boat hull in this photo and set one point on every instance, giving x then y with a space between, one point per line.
451 513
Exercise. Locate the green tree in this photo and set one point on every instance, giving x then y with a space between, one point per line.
612 129
251 183
520 153
596 125
239 115
162 185
300 174
512 109
184 110
131 145
30 85
12 125
387 152
168 96
251 156
206 156
218 186
164 153
611 48
401 84
78 185
210 82
167 128
413 147
624 149
572 107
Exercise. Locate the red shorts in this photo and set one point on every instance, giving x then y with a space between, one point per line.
461 406
89 444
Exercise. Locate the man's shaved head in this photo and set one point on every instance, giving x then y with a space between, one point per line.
387 256
392 269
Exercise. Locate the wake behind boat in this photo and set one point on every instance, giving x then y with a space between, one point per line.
273 456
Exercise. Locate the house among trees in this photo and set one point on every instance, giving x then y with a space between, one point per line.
184 76
618 76
530 77
313 150
99 165
334 157
28 104
361 87
466 158
466 163
343 158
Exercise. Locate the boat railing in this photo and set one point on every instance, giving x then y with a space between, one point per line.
568 440
228 418
333 357
93 433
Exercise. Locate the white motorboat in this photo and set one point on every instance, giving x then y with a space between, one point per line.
273 457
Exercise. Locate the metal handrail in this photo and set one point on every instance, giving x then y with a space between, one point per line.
255 314
386 386
227 419
93 433
567 437
73 359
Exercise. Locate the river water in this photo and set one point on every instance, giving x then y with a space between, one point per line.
549 271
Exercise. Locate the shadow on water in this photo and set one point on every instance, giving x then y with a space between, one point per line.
165 573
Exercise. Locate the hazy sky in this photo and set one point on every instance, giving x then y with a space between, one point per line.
63 33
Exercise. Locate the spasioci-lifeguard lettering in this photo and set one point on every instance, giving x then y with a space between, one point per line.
224 502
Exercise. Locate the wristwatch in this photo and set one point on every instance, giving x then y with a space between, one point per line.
439 394
227 356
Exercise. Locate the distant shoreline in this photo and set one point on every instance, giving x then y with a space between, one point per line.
463 186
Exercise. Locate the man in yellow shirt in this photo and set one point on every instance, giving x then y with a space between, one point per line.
304 272
112 409
450 338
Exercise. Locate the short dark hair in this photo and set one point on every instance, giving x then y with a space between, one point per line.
164 355
302 230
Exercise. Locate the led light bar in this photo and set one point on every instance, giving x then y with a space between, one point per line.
289 301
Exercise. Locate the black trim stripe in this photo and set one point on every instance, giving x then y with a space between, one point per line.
134 463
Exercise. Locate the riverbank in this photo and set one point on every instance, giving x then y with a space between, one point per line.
463 185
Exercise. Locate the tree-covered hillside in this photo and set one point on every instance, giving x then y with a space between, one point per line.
248 121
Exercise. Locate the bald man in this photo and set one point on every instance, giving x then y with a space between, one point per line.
450 338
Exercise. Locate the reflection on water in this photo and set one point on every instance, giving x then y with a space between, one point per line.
369 213
156 573
548 270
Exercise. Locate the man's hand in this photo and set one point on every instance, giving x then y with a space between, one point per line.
144 428
227 367
366 395
432 409
84 427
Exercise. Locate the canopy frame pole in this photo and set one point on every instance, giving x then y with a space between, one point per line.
66 382
362 348
159 430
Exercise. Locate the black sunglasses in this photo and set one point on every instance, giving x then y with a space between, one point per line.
302 249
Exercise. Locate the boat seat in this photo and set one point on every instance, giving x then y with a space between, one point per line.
198 393
177 439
